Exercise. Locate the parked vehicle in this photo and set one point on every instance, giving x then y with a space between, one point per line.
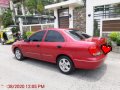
69 49
6 37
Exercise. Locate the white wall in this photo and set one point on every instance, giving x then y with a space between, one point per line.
56 20
71 19
89 10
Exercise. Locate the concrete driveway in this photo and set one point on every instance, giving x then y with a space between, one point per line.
34 72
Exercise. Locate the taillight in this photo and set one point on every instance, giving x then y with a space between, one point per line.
94 50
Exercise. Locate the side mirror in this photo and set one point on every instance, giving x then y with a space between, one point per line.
26 40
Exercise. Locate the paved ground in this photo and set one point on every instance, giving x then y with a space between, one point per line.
36 72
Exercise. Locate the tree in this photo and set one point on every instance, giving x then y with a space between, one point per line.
31 5
40 7
7 18
36 5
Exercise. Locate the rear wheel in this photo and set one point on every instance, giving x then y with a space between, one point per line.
65 65
18 54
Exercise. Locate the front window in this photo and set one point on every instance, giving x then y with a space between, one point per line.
77 35
37 37
9 33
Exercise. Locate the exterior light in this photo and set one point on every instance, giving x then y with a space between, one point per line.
70 15
89 15
54 17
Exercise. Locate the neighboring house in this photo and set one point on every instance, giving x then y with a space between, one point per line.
106 13
20 11
27 21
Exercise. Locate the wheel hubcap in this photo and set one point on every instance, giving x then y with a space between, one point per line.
64 65
18 54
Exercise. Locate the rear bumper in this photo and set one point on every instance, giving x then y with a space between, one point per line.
90 63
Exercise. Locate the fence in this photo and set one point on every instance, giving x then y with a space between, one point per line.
35 27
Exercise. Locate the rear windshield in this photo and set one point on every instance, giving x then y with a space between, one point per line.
77 34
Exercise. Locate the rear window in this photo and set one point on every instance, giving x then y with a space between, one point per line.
77 34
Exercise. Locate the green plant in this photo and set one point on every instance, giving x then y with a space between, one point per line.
7 18
29 33
40 7
118 40
113 36
24 36
31 5
15 30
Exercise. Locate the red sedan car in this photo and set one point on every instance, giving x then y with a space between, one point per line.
69 49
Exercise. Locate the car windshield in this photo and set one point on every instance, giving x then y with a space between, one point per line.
77 34
9 33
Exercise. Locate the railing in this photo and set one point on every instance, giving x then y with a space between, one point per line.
106 12
36 27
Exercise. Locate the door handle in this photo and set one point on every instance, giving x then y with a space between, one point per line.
59 46
38 45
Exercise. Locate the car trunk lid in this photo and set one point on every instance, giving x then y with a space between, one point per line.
98 40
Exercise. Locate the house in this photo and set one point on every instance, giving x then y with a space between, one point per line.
106 13
67 15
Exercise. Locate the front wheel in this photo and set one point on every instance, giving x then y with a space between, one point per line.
18 54
65 65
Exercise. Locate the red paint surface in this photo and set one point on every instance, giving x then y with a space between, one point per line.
78 51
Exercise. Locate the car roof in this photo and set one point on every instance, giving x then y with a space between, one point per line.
61 29
56 29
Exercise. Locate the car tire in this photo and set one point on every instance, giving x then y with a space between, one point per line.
18 54
65 65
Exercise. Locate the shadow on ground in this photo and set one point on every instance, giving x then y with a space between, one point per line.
87 75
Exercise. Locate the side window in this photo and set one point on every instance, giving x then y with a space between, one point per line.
37 37
54 36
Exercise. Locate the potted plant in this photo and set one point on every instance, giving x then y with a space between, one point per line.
113 36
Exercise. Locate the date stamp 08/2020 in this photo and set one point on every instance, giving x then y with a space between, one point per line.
22 86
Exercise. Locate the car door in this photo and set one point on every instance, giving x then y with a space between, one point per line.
53 45
32 48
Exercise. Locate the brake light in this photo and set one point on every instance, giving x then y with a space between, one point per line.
94 50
